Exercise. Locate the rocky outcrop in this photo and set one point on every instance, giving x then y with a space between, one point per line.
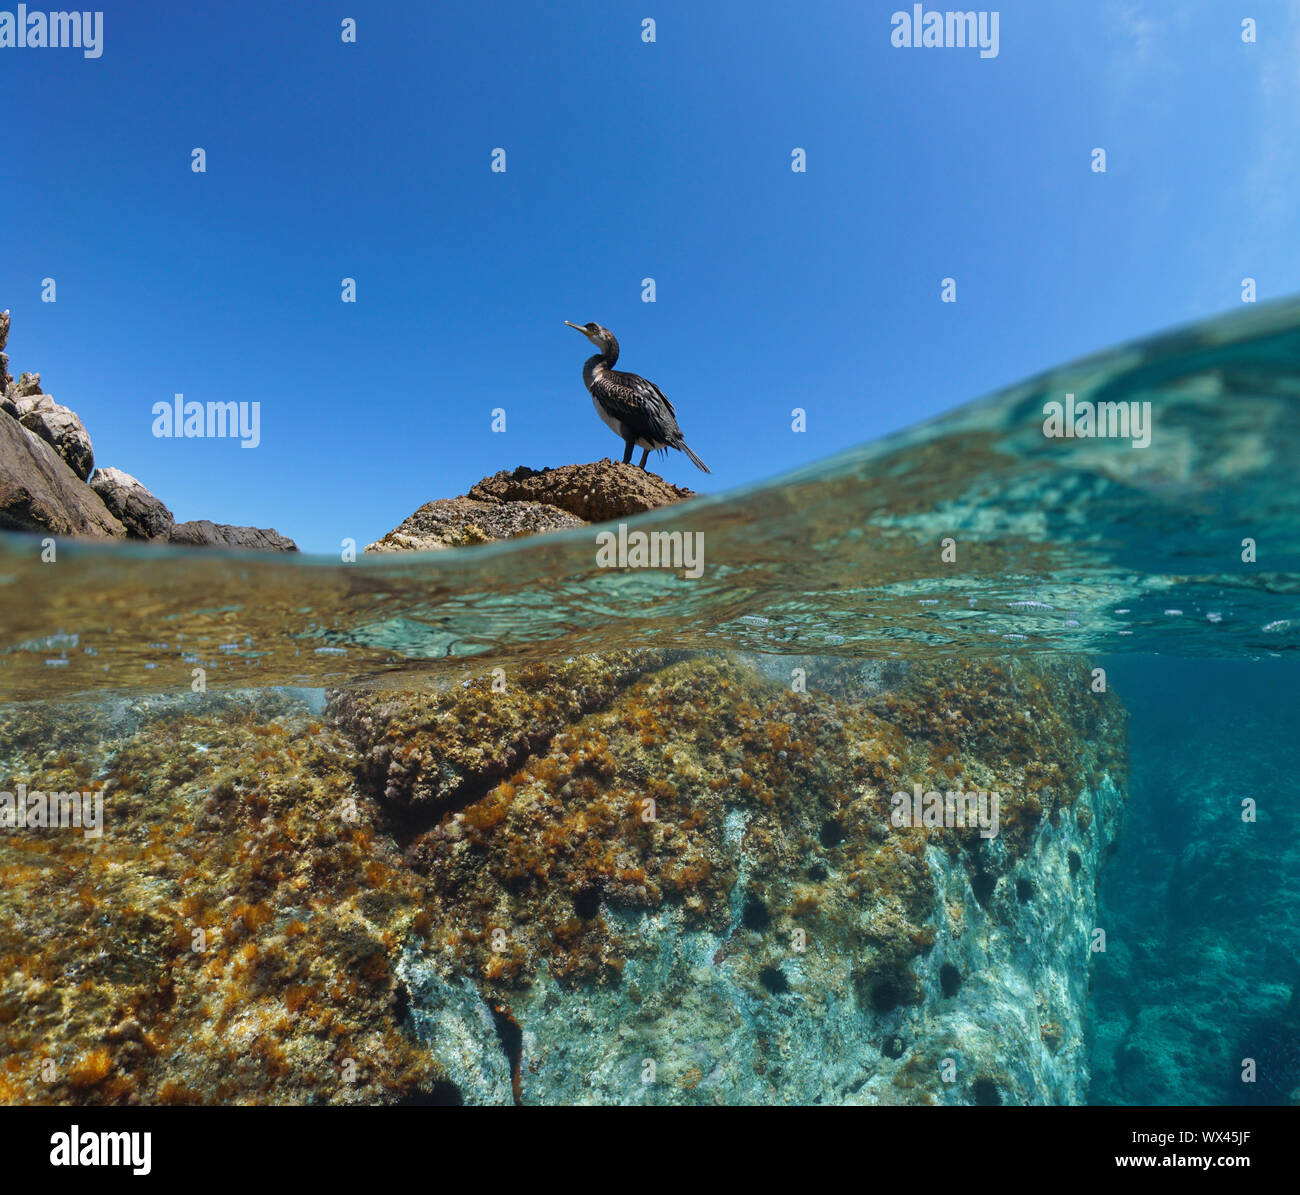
594 493
531 501
460 522
38 492
680 862
5 379
298 915
25 385
644 878
143 515
35 496
417 753
200 533
45 458
58 426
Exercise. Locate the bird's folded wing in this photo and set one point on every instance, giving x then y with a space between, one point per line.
638 402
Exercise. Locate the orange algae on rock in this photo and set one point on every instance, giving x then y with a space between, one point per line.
624 807
173 987
237 934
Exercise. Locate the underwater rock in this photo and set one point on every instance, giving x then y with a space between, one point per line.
635 878
1274 1044
766 934
143 515
458 522
531 501
426 750
38 492
58 426
200 533
231 936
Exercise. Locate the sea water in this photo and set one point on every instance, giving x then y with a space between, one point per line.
518 822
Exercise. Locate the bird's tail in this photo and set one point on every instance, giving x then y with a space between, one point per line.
695 460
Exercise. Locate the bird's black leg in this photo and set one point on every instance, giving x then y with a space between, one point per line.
645 454
627 452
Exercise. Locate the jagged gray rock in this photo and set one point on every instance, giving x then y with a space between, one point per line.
143 515
200 533
4 357
27 384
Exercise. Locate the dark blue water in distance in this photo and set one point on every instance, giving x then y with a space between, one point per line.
1203 962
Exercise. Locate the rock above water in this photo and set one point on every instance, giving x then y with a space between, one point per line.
58 426
4 357
200 533
143 515
27 384
38 492
594 493
458 522
530 501
36 496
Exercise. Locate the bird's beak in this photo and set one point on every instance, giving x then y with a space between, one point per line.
578 326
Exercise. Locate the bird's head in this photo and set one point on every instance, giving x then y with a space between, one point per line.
602 338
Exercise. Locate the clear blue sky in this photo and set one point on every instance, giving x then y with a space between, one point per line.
624 160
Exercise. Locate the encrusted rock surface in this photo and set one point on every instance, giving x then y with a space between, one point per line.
143 515
595 493
423 751
768 936
229 939
530 501
459 522
640 879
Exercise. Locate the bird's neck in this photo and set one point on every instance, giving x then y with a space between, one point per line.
599 363
592 369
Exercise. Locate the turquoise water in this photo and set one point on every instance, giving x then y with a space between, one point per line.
1060 544
1204 965
1173 564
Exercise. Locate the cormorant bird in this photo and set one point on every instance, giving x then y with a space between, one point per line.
634 409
